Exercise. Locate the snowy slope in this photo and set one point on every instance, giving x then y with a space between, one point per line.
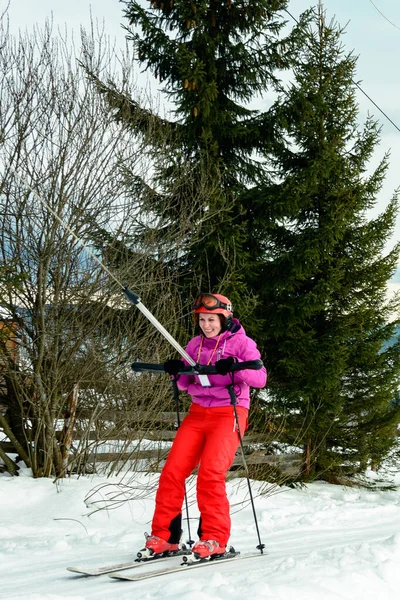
323 542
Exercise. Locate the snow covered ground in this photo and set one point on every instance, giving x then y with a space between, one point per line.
323 542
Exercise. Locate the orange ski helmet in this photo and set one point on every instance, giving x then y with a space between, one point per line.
213 303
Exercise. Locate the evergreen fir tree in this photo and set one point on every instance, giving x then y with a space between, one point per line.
327 318
212 58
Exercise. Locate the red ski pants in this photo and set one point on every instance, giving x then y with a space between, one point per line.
207 437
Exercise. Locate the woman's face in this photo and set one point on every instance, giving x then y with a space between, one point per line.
209 324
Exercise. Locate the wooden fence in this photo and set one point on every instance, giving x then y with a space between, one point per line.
149 448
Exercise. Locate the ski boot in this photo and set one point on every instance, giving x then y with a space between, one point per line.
207 549
156 547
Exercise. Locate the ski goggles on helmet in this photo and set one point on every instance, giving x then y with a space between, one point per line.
211 302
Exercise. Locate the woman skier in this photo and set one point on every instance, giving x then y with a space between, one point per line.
208 436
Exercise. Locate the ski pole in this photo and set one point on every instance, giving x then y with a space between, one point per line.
178 418
233 398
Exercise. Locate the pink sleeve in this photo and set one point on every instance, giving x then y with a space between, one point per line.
184 381
252 377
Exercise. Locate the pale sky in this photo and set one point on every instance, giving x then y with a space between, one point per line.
372 33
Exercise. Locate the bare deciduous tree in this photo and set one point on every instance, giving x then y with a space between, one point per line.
63 180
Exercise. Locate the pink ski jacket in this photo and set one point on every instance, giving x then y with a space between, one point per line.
206 351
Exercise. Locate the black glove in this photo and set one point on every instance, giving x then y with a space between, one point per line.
224 365
173 366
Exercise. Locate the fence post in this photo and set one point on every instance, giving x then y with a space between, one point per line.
69 423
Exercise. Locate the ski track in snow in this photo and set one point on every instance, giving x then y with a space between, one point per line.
322 543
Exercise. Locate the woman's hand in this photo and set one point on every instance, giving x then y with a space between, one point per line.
173 366
224 365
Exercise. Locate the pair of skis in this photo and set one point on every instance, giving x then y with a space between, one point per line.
117 571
